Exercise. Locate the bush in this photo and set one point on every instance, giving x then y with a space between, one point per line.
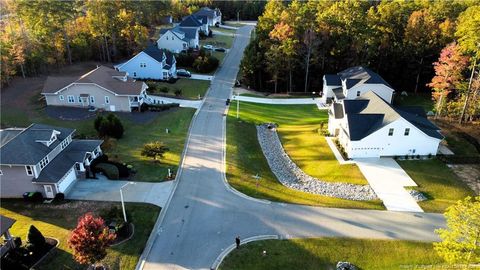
178 92
185 59
123 170
161 107
109 170
109 126
35 238
205 64
164 89
59 197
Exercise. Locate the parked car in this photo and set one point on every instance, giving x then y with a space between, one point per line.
184 73
208 47
220 49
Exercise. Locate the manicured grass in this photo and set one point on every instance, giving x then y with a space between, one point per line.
190 88
218 41
423 100
441 185
223 30
324 253
57 221
458 144
233 23
129 147
245 159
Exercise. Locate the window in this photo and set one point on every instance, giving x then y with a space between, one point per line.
134 74
358 93
413 151
173 38
167 37
92 99
64 143
1 173
390 132
407 132
43 162
29 170
61 97
71 99
107 100
79 99
143 65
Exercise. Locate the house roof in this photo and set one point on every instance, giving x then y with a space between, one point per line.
7 134
359 74
24 149
153 51
208 12
63 162
333 80
369 113
338 92
6 223
103 76
190 21
190 33
338 110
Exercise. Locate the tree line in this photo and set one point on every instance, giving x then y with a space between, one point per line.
38 35
296 42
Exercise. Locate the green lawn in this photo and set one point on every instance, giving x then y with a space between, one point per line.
301 141
441 185
423 100
57 221
223 30
324 253
233 23
458 144
218 41
190 88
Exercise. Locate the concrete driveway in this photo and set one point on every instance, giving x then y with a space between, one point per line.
108 190
388 180
201 77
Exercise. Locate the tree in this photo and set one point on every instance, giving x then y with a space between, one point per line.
448 74
461 239
108 126
35 238
154 150
90 239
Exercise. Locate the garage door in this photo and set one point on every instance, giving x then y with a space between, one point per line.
68 180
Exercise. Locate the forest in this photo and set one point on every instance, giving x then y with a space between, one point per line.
40 35
420 47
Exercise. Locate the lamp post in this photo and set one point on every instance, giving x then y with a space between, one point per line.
123 203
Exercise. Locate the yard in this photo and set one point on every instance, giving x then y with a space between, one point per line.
21 112
58 220
190 89
298 127
219 40
324 253
441 185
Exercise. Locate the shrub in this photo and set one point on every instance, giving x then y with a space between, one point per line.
406 157
185 59
109 126
161 107
178 92
164 89
109 170
112 214
35 238
154 150
418 156
59 197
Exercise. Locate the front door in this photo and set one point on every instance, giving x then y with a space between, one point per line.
84 101
112 108
48 191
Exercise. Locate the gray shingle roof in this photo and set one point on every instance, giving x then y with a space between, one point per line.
369 113
190 21
23 148
206 11
6 223
359 74
63 162
7 134
333 80
338 110
153 51
103 76
338 92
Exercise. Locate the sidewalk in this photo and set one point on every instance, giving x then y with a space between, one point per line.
388 180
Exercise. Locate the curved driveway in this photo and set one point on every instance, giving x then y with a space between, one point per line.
204 215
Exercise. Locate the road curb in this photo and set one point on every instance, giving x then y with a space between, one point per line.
158 223
230 248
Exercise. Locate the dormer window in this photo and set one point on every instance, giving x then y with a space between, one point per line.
48 140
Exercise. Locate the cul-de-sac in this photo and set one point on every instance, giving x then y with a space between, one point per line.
240 134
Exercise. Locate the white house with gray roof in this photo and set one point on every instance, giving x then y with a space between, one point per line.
43 158
151 63
103 88
213 17
368 126
354 82
179 39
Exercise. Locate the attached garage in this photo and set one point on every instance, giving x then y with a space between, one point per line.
67 181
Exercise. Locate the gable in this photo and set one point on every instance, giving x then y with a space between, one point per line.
141 57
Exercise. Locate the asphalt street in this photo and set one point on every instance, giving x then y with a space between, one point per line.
204 216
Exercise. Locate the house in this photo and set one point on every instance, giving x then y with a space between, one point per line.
193 22
43 158
104 88
368 126
354 82
5 224
212 16
151 63
179 38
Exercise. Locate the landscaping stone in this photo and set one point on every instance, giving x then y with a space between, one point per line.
345 266
290 175
417 195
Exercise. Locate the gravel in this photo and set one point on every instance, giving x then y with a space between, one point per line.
290 175
417 195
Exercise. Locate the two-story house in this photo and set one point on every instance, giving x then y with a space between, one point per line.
192 22
368 126
43 158
354 82
178 39
212 16
151 63
104 88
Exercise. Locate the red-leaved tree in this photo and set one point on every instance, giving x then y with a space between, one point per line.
90 239
448 74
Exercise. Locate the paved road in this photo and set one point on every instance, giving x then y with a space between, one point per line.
204 215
